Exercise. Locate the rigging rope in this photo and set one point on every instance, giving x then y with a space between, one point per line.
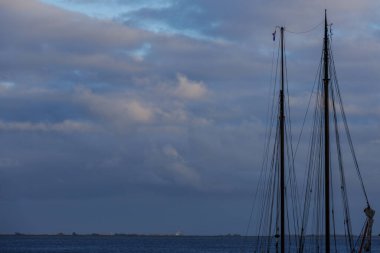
347 219
306 31
268 134
348 132
267 193
315 180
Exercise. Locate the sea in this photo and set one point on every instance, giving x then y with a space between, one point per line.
137 244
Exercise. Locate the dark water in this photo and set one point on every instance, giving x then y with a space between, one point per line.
134 244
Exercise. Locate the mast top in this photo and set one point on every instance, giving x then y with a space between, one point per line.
326 25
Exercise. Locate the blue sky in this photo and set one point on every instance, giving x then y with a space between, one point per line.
149 116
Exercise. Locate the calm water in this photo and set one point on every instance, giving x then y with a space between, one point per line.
133 244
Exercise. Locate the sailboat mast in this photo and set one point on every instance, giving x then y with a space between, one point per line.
327 136
282 151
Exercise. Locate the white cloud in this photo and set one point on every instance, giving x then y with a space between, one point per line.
189 89
108 9
170 152
139 112
118 108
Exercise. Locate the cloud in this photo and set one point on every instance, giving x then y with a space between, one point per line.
118 108
64 46
170 151
139 112
188 89
108 9
6 85
122 66
183 175
66 126
178 170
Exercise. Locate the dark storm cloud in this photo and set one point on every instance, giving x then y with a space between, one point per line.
98 109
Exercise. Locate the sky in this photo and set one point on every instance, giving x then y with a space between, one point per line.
149 116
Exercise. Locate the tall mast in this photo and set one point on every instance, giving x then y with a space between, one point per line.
327 136
282 151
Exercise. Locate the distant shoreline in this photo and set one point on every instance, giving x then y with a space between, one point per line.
74 234
119 234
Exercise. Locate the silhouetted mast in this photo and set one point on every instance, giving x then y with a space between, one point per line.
327 136
282 151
